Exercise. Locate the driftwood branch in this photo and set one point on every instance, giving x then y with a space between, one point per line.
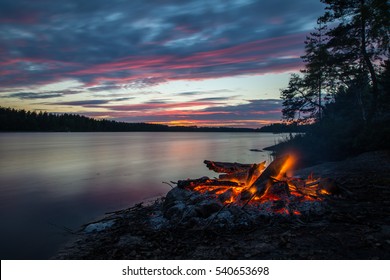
227 167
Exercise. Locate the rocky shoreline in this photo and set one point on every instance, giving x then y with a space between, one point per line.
352 225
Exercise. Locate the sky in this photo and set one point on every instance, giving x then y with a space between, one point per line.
187 62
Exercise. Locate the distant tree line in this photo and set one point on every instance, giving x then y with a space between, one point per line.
27 121
285 128
344 89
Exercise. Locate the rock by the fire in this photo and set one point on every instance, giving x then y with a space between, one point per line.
207 207
175 195
174 203
180 203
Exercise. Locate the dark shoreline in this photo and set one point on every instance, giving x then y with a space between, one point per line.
355 226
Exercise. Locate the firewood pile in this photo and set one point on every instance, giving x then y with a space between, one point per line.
244 192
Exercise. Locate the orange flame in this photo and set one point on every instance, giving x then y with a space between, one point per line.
287 166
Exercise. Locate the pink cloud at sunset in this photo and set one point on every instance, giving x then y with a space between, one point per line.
65 57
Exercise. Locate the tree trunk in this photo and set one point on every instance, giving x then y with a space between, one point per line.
367 61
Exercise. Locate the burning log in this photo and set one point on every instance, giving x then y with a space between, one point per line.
254 172
274 170
204 181
240 176
227 167
238 172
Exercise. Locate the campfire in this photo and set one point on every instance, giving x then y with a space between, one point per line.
254 211
271 189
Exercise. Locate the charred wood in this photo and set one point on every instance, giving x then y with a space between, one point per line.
204 181
254 172
240 176
227 167
273 169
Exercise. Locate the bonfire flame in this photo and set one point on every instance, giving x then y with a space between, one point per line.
253 184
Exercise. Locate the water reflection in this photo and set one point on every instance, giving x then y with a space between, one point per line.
68 179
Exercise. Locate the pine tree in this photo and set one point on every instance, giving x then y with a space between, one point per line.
346 57
303 99
359 40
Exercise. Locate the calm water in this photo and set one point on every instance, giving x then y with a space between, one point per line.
52 180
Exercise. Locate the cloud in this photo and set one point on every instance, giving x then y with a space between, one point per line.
105 88
34 95
84 103
253 113
256 106
88 102
214 99
258 57
158 106
114 51
143 43
204 92
189 93
41 95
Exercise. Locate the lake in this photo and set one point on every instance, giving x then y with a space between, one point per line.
52 181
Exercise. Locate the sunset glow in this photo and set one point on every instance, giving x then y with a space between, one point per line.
182 63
